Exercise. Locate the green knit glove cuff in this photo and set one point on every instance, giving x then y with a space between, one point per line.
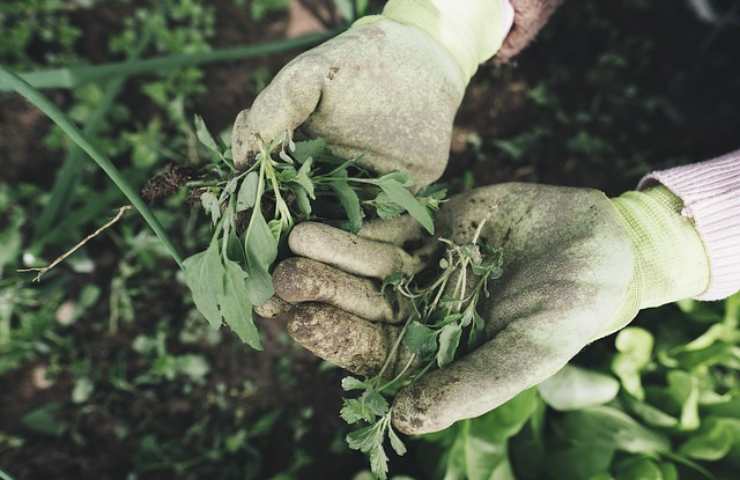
671 262
472 31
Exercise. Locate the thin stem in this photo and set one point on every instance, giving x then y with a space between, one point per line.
47 107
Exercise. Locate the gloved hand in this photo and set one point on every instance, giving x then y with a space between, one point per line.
386 91
577 266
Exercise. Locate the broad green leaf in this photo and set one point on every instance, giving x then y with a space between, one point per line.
573 388
635 346
580 462
259 284
45 420
684 389
713 441
261 245
639 468
362 439
247 195
235 306
651 415
204 275
449 339
668 470
403 198
350 203
375 403
608 427
420 339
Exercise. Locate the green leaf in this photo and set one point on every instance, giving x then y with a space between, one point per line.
309 149
303 178
375 403
235 306
247 195
304 204
363 439
640 468
211 205
684 389
352 383
350 203
651 415
205 137
45 420
611 428
420 339
573 388
635 346
712 442
261 245
396 442
204 276
379 462
403 198
449 340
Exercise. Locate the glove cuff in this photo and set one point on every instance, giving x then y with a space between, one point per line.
472 30
671 260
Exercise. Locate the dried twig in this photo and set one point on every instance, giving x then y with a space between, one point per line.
42 270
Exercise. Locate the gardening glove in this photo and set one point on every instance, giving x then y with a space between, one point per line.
577 267
384 92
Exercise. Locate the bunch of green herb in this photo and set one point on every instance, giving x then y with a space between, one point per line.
440 313
279 188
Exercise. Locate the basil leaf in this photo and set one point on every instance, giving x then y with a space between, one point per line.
573 388
235 307
420 339
204 276
247 195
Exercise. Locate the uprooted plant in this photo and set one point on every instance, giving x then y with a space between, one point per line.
440 314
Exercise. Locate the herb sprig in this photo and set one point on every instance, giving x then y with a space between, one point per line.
440 314
279 188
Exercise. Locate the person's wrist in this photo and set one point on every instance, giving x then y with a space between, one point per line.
472 31
670 258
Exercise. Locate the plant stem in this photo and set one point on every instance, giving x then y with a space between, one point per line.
47 107
74 76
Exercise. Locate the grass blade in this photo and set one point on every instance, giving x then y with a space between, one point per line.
47 107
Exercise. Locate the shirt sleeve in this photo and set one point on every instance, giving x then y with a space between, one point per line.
710 192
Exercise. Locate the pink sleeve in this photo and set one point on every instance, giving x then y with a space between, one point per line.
711 195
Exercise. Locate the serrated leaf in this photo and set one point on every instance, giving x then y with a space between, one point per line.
235 306
379 462
204 276
247 195
396 442
375 403
449 340
362 439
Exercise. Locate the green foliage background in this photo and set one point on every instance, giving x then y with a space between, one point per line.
107 370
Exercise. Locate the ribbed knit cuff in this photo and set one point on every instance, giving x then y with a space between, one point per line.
710 192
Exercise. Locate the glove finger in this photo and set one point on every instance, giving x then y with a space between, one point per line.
341 338
396 231
351 253
299 280
280 108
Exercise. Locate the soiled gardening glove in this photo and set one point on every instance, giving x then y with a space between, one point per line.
385 91
577 266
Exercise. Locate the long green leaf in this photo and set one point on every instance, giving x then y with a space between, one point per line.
47 107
